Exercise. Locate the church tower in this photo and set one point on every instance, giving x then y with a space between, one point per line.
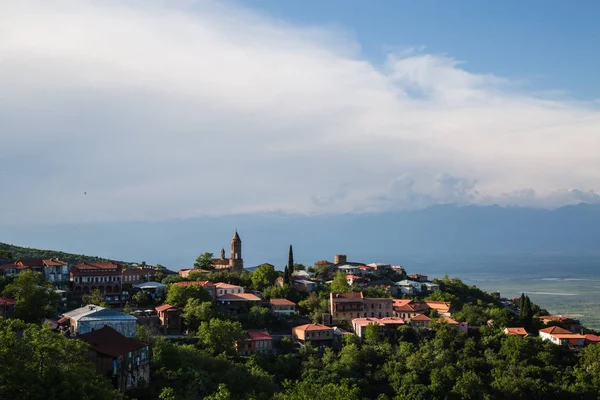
236 262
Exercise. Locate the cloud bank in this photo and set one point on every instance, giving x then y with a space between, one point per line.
148 110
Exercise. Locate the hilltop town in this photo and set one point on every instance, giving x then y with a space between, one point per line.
218 330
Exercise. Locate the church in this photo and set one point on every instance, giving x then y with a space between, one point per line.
235 262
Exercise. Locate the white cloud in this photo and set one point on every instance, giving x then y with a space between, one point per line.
161 109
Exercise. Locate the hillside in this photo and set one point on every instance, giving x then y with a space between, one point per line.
17 252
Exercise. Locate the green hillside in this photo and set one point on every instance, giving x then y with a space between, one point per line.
17 252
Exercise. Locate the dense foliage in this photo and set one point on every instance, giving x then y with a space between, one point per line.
23 253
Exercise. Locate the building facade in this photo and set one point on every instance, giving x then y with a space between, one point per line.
91 317
348 306
235 262
104 276
316 334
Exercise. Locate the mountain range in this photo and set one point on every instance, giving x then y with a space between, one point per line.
369 237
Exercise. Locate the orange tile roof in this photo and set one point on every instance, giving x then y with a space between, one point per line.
221 285
313 327
516 331
401 302
439 306
239 297
164 307
592 338
366 321
555 330
259 335
448 320
421 317
347 295
281 302
54 262
391 320
199 283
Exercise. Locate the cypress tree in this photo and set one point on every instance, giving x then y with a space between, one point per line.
286 275
521 305
527 314
291 261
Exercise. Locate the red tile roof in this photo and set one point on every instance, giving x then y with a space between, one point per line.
439 306
10 266
199 283
259 335
378 321
281 302
164 307
7 301
448 320
110 342
54 262
97 265
313 327
553 330
32 262
589 338
401 302
516 331
221 285
348 295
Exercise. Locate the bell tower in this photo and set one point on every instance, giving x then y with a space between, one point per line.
236 262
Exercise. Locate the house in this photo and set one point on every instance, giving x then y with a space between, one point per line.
460 326
57 272
399 289
238 302
283 307
226 288
418 278
349 269
347 306
570 324
210 287
91 317
104 276
431 287
406 309
302 274
32 264
7 307
184 273
11 270
256 342
420 321
562 337
279 281
355 280
398 268
143 273
591 339
170 319
379 267
387 326
316 334
304 285
414 284
443 308
125 361
516 332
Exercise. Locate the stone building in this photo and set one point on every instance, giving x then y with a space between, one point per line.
347 306
104 276
235 262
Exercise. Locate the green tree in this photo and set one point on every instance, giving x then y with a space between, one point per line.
287 278
36 363
291 261
527 314
220 336
178 296
372 334
34 295
94 297
197 311
143 333
142 298
203 261
340 284
264 275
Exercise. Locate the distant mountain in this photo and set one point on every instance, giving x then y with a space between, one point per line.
439 230
22 253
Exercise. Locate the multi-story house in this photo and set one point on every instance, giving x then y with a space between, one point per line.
226 288
57 272
316 334
11 270
125 361
256 342
283 307
562 337
347 306
33 264
104 276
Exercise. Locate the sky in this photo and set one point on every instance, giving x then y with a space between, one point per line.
151 110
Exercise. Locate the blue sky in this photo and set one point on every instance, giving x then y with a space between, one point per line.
177 109
548 45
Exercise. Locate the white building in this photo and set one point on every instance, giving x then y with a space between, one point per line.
91 317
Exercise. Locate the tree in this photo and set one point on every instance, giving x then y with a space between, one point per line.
287 278
372 334
527 314
178 296
291 261
340 284
203 261
36 363
142 298
35 296
197 311
264 275
299 267
94 297
220 336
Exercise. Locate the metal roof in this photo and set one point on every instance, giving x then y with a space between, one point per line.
96 313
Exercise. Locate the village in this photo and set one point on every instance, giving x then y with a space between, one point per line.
107 306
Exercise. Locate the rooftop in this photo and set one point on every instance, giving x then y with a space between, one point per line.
150 285
348 295
282 302
164 307
516 331
96 313
7 301
421 317
238 297
110 342
259 335
222 285
313 327
199 283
